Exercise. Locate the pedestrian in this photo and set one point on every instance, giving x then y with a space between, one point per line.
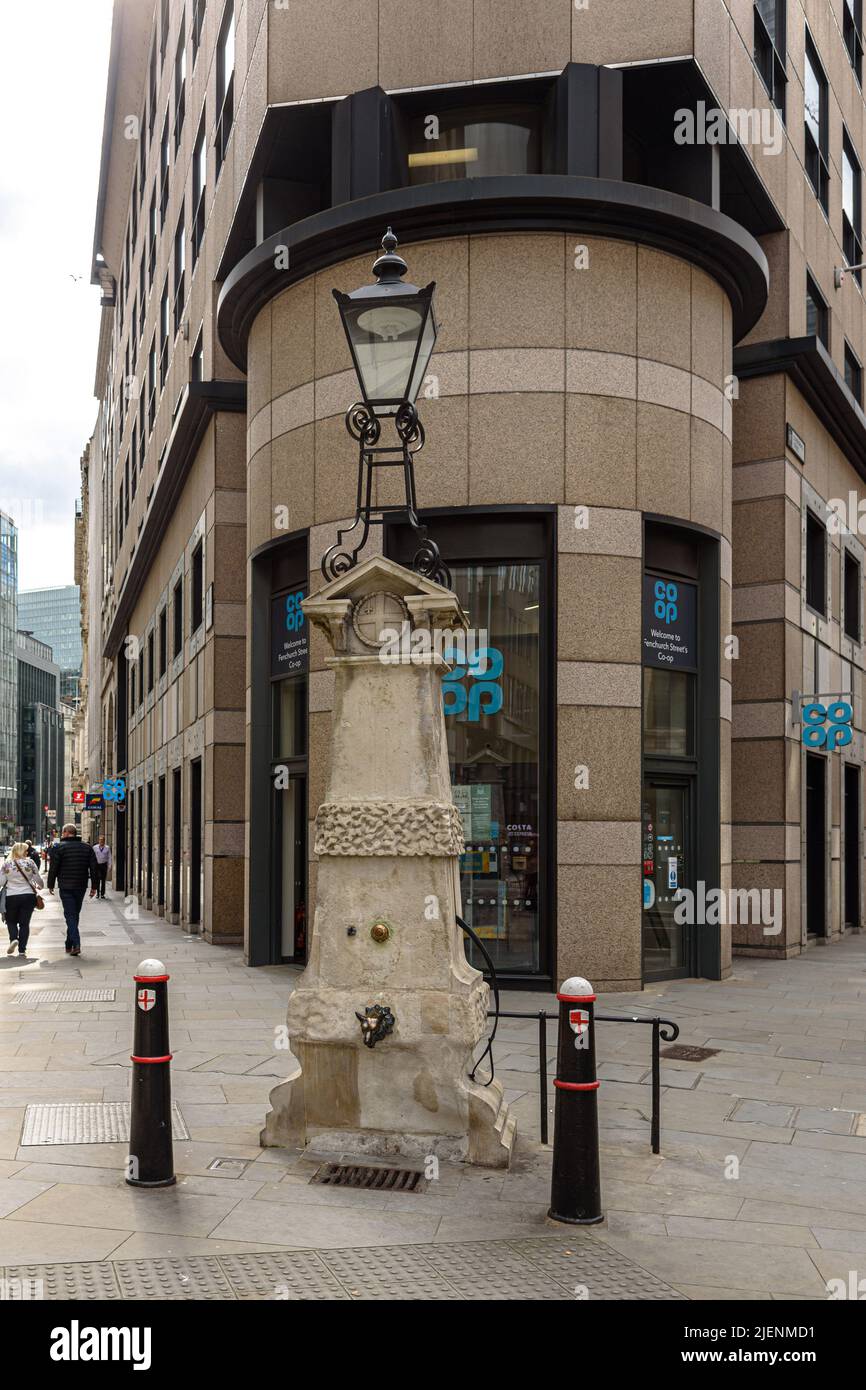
103 861
72 863
19 881
33 852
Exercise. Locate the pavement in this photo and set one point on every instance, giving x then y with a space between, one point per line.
759 1190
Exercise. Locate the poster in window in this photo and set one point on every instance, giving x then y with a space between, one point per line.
289 640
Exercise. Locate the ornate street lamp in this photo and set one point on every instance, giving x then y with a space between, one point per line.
391 331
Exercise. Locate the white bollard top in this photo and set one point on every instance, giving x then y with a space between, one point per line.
576 985
151 966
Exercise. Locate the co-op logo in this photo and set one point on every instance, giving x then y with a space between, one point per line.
666 596
817 733
484 693
294 612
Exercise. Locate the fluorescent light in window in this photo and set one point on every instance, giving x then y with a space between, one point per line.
428 157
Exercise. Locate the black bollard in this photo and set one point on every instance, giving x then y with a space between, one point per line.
575 1185
151 1157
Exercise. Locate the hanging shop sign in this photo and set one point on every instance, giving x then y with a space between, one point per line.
289 640
669 623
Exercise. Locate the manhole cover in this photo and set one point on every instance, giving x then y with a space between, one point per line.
678 1053
86 1122
373 1179
29 997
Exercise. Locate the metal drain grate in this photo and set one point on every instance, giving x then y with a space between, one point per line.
234 1167
679 1053
86 1122
29 997
369 1178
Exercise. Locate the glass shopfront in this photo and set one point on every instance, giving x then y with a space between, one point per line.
499 705
491 701
680 803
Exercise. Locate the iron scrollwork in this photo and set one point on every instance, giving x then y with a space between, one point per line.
366 427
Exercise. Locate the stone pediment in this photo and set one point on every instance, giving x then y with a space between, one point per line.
380 591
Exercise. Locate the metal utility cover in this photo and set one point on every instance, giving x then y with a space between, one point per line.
86 1122
29 997
370 1178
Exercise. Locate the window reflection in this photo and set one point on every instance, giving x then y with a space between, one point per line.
667 718
475 142
492 720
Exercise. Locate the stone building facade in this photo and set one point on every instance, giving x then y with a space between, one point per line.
645 396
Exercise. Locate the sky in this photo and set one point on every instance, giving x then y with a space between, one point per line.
53 67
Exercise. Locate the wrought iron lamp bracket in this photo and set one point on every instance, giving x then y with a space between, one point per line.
366 427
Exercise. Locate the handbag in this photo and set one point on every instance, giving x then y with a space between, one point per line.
40 901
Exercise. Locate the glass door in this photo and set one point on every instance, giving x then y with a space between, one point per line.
667 867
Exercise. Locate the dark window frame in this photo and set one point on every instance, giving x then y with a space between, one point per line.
179 84
199 189
852 588
177 603
816 564
852 232
225 89
196 604
179 270
822 312
817 161
852 35
853 373
769 52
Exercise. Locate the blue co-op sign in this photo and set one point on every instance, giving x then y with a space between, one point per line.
669 623
289 643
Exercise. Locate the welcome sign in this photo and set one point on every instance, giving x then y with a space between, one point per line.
289 641
669 623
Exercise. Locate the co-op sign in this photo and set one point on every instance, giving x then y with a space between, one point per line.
669 623
826 720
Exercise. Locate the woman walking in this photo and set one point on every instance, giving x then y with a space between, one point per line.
19 881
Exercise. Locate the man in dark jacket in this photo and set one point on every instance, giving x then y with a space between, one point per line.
72 863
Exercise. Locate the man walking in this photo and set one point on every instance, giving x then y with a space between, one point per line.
103 862
72 863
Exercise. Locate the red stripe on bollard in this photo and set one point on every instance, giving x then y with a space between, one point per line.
151 1158
575 1183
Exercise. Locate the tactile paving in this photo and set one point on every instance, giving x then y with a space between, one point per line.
291 1276
30 997
86 1122
199 1277
597 1267
385 1273
558 1269
92 1279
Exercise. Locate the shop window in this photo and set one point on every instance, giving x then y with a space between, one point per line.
491 701
769 31
852 588
816 564
290 717
817 314
815 111
475 142
668 713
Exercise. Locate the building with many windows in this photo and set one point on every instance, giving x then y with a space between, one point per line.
54 616
41 740
8 676
644 418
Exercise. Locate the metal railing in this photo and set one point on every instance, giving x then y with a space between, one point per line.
664 1030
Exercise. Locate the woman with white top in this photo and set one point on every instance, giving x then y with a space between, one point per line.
20 878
